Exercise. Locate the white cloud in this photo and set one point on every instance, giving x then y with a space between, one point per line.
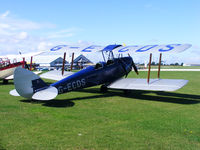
5 14
17 34
22 35
44 45
63 33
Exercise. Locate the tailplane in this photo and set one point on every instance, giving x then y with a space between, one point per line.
30 85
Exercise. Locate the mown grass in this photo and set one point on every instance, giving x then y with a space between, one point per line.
88 119
173 67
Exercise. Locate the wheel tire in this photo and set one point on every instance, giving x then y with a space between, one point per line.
5 81
127 92
103 88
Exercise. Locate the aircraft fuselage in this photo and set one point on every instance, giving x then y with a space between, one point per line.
102 73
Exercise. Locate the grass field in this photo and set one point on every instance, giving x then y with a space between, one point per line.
87 119
174 67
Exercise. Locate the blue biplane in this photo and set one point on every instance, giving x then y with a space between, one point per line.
108 74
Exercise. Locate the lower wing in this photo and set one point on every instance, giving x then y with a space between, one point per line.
56 75
153 85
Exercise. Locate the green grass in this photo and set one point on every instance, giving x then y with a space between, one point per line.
174 67
87 119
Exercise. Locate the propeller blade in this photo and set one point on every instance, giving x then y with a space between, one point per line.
135 68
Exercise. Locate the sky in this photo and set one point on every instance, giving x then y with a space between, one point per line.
29 26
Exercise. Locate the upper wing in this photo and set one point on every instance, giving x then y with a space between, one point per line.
152 48
56 75
122 49
154 84
76 48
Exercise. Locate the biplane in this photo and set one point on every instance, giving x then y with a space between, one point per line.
109 73
9 63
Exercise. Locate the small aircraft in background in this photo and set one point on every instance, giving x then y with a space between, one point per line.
10 62
108 74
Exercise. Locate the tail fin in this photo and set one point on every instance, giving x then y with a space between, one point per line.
30 85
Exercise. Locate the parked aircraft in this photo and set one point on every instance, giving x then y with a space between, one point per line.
108 74
9 63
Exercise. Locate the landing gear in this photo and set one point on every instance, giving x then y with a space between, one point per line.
103 89
5 81
127 92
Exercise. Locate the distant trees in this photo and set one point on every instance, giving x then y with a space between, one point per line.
156 64
176 64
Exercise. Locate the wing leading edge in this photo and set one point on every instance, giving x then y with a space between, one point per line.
155 48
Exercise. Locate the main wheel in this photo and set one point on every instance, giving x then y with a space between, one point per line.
103 88
5 81
127 92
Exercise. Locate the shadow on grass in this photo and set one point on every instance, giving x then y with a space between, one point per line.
3 84
51 103
167 97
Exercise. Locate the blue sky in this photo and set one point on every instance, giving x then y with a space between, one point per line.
36 25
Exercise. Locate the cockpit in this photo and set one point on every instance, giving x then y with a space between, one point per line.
103 64
110 62
99 65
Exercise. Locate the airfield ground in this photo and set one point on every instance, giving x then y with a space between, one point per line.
87 119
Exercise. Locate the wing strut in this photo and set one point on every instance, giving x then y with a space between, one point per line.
150 57
31 63
63 66
159 65
72 62
23 66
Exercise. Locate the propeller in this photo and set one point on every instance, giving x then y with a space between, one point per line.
134 66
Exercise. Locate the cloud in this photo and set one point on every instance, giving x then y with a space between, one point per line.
22 35
63 33
44 45
195 50
5 14
27 36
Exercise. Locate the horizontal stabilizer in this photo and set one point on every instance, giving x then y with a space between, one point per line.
37 72
14 93
9 77
46 94
56 75
154 84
